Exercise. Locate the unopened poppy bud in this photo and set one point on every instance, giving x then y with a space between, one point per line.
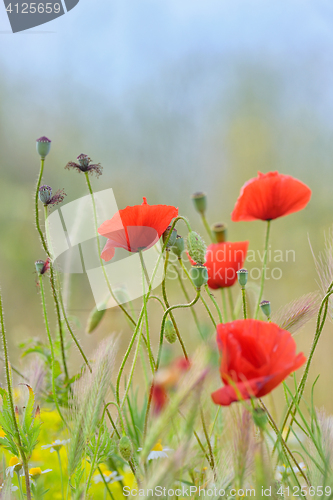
43 146
45 194
179 246
196 247
199 275
242 276
200 202
170 332
265 306
125 448
95 317
220 231
259 418
172 239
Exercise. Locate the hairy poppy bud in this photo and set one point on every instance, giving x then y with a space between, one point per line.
172 238
242 276
200 202
259 418
179 246
170 332
265 306
125 448
43 146
95 317
220 231
45 194
199 275
196 247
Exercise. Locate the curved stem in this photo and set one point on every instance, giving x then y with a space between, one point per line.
180 260
54 390
215 303
165 315
11 402
99 251
263 269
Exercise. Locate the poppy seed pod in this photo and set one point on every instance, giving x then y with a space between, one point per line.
125 448
172 239
200 202
196 247
42 266
43 146
259 418
220 231
45 194
170 332
179 246
265 306
242 276
95 317
199 275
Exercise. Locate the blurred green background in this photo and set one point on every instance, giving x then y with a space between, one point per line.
171 97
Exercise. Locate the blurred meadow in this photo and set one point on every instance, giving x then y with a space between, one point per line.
171 98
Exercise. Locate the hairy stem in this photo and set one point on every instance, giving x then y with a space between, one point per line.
263 275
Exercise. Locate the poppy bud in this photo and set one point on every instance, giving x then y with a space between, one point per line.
43 146
265 306
199 275
125 448
95 317
172 238
179 246
170 332
259 418
220 231
200 202
196 247
242 276
45 194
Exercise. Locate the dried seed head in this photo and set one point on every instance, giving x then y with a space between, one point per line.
199 275
84 165
179 246
265 306
172 238
242 276
200 202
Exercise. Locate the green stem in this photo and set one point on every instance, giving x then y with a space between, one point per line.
150 353
54 390
205 223
322 315
36 207
231 304
212 298
211 454
244 302
20 485
61 475
11 402
263 269
224 305
180 260
99 251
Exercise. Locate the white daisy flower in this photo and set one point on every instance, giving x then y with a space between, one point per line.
35 472
159 451
56 445
109 477
15 465
281 470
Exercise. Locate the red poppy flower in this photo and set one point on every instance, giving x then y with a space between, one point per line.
256 357
223 260
270 196
136 228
